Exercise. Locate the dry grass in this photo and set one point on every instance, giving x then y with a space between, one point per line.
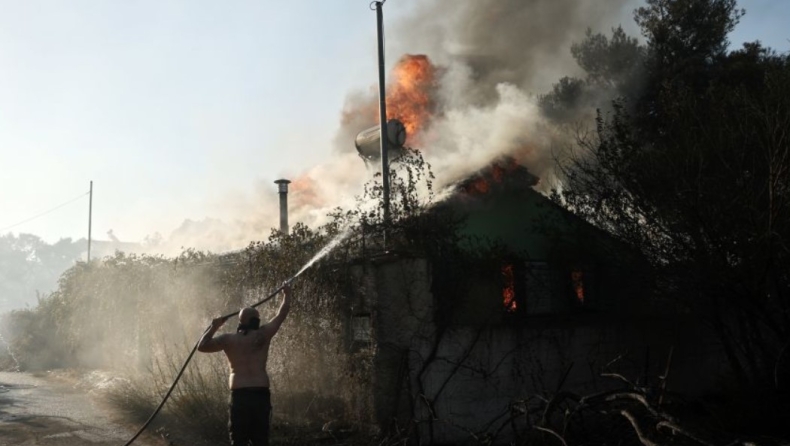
198 404
134 399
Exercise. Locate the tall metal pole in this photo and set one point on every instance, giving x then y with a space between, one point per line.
90 217
385 177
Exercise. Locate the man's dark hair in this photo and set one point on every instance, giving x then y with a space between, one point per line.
253 324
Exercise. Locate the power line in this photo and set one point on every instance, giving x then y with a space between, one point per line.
43 213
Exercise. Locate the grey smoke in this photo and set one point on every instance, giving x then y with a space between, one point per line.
521 42
495 57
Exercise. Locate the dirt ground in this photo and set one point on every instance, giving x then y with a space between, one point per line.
40 410
62 408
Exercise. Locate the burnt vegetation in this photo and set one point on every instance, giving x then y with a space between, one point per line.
686 170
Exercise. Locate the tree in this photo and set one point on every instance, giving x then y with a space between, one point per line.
29 266
686 40
694 172
614 69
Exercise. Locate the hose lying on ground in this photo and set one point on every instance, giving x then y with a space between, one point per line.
189 358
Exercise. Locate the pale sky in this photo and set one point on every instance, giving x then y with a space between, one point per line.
172 107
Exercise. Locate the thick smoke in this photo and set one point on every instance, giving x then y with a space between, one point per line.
493 59
486 43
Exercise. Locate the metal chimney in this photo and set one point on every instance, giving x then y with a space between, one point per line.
282 188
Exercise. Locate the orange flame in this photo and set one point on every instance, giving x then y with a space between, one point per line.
304 191
496 173
578 285
478 186
409 93
509 289
500 170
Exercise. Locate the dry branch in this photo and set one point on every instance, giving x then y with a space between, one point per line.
551 432
643 438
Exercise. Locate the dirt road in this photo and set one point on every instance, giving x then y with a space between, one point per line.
38 411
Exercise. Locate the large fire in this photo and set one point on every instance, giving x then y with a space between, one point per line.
409 95
409 99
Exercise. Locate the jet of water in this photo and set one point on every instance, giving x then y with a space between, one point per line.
342 235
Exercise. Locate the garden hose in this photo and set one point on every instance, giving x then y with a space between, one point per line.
189 358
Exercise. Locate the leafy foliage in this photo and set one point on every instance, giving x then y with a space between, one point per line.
135 313
693 172
30 267
614 68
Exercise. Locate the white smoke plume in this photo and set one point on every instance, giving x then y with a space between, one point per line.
493 59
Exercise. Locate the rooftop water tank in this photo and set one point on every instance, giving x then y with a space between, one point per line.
368 141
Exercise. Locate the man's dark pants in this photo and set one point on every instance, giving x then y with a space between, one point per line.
249 416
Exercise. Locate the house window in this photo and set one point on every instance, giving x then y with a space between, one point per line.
577 284
582 280
509 289
361 330
541 289
538 288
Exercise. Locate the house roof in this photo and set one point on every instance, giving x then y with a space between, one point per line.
500 202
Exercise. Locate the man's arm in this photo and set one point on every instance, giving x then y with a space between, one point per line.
208 343
270 329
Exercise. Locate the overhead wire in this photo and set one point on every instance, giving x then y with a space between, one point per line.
43 213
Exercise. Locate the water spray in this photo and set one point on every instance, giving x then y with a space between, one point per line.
342 235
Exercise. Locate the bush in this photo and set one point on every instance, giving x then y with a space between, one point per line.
138 315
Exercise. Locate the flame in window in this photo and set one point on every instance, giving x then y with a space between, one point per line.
509 289
578 285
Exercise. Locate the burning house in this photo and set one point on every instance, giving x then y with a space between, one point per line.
458 344
462 351
461 345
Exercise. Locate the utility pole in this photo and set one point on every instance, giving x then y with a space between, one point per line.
385 171
90 216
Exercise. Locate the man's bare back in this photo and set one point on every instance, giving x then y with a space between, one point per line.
248 350
247 355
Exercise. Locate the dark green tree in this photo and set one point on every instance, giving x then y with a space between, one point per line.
614 68
693 171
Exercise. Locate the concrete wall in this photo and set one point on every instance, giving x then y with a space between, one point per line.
479 372
446 384
396 291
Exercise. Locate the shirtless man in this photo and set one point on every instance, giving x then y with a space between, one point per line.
247 351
